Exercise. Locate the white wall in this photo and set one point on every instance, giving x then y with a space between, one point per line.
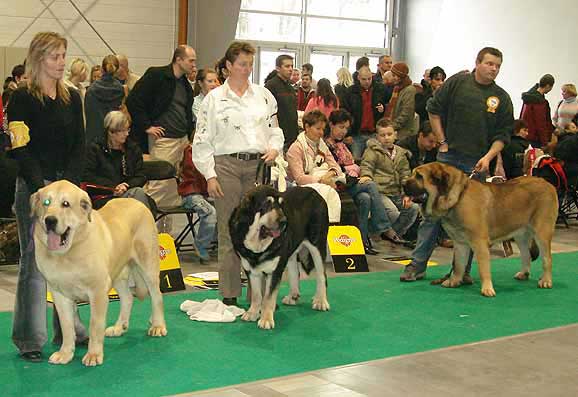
535 36
144 30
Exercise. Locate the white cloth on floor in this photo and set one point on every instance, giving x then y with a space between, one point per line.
211 310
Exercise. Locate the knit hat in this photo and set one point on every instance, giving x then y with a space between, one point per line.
400 69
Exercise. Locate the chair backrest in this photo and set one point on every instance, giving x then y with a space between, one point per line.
158 170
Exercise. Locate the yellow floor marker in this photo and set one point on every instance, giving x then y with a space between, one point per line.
346 249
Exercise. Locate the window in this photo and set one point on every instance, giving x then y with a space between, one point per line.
280 28
324 33
325 66
345 33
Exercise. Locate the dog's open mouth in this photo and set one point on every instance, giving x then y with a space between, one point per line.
265 232
57 241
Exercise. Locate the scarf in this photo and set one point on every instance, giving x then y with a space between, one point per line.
394 96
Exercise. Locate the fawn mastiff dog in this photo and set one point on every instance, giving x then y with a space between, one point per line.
477 214
83 253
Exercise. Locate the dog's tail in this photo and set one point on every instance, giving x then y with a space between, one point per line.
140 288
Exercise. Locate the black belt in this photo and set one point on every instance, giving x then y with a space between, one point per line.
246 156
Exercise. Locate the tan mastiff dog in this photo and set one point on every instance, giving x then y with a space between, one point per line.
83 253
476 215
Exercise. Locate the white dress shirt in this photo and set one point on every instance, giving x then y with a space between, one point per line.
229 124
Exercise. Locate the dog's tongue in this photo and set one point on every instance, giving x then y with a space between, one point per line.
53 241
275 233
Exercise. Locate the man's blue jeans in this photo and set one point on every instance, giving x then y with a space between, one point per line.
429 229
368 199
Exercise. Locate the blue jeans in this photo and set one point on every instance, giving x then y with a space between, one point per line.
207 221
429 229
402 218
29 321
368 200
359 144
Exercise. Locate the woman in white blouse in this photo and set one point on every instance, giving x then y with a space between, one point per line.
236 127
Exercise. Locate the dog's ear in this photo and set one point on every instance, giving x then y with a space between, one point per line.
34 204
86 205
451 183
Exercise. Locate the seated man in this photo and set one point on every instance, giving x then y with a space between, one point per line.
387 165
115 164
513 152
422 147
193 189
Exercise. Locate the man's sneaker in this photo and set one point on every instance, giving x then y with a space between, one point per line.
391 235
412 273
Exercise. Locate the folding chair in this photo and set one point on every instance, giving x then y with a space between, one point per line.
160 170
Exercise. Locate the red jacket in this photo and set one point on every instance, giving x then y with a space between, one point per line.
536 113
192 181
303 98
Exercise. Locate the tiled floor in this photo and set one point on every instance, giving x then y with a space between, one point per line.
538 364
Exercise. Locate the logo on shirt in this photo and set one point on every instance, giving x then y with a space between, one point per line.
492 102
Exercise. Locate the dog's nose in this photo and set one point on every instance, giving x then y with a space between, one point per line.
50 222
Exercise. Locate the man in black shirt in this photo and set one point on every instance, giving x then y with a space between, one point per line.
160 105
283 91
472 118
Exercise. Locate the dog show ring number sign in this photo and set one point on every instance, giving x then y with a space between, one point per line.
346 249
170 275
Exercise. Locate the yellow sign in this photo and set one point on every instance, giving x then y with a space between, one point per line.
345 240
168 252
170 276
346 249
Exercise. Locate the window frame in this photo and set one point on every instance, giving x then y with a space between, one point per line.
303 50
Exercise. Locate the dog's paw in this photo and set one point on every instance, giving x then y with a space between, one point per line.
250 315
158 330
452 283
522 276
545 282
488 291
92 359
61 357
290 300
114 331
320 304
266 322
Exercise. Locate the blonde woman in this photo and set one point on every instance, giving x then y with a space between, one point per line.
102 97
567 107
78 74
344 81
47 132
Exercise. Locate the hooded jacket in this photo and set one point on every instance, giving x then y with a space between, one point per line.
388 174
103 96
536 113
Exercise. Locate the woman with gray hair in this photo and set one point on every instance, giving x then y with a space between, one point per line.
114 164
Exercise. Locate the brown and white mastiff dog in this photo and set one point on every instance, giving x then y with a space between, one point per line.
477 214
83 253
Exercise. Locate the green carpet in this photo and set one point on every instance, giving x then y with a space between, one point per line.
372 316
